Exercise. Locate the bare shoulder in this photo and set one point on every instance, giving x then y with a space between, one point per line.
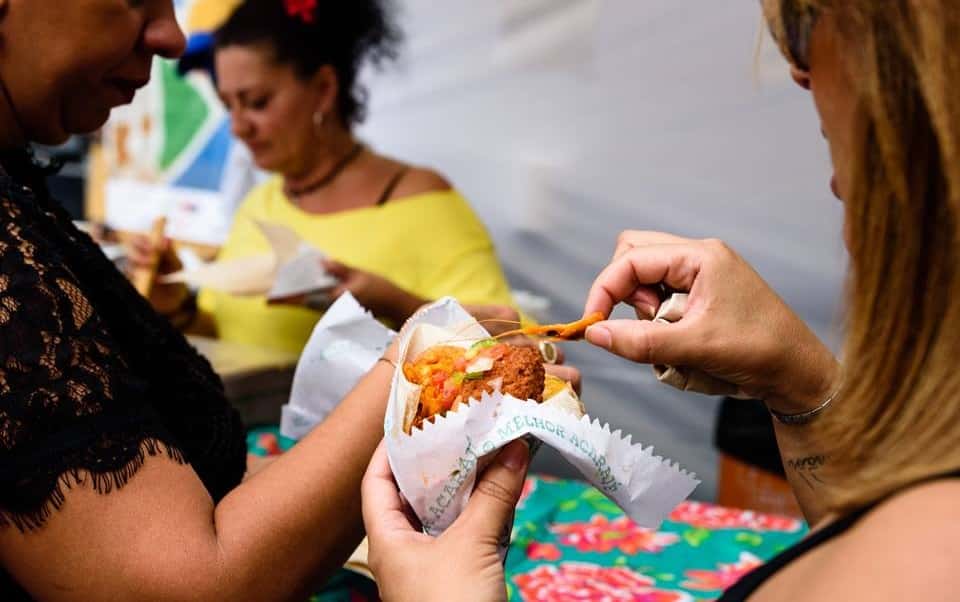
904 549
923 511
910 544
420 180
100 545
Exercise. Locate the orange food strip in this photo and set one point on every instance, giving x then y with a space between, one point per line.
567 332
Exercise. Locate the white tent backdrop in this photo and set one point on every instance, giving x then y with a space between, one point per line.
567 121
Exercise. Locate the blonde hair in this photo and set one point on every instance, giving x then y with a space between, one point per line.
898 419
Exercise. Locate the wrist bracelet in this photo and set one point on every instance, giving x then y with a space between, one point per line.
805 417
389 361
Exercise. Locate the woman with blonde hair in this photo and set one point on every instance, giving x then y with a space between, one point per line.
871 446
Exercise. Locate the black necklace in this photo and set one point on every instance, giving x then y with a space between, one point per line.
328 177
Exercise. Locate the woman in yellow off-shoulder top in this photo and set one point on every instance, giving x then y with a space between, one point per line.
400 235
427 245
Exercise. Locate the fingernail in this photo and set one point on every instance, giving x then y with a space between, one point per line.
600 336
649 311
516 455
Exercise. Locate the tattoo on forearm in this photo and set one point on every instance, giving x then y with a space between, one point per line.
806 463
807 468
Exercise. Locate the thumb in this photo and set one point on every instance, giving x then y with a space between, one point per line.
645 342
496 493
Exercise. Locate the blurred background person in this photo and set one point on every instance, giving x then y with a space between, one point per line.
401 235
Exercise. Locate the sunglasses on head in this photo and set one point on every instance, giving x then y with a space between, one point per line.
798 25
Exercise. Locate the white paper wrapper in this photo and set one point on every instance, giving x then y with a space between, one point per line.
292 267
436 467
344 345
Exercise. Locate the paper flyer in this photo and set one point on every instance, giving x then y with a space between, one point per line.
292 267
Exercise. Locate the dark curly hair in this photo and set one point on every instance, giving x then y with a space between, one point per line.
308 34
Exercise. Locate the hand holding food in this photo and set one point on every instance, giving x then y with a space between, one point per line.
735 328
399 549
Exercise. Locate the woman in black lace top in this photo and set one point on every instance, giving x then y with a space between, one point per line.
120 459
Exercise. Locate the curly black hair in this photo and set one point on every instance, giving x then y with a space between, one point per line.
308 34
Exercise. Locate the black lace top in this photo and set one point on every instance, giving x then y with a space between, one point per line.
91 379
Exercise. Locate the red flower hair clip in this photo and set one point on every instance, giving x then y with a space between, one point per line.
301 9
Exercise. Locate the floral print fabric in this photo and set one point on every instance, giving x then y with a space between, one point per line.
571 544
